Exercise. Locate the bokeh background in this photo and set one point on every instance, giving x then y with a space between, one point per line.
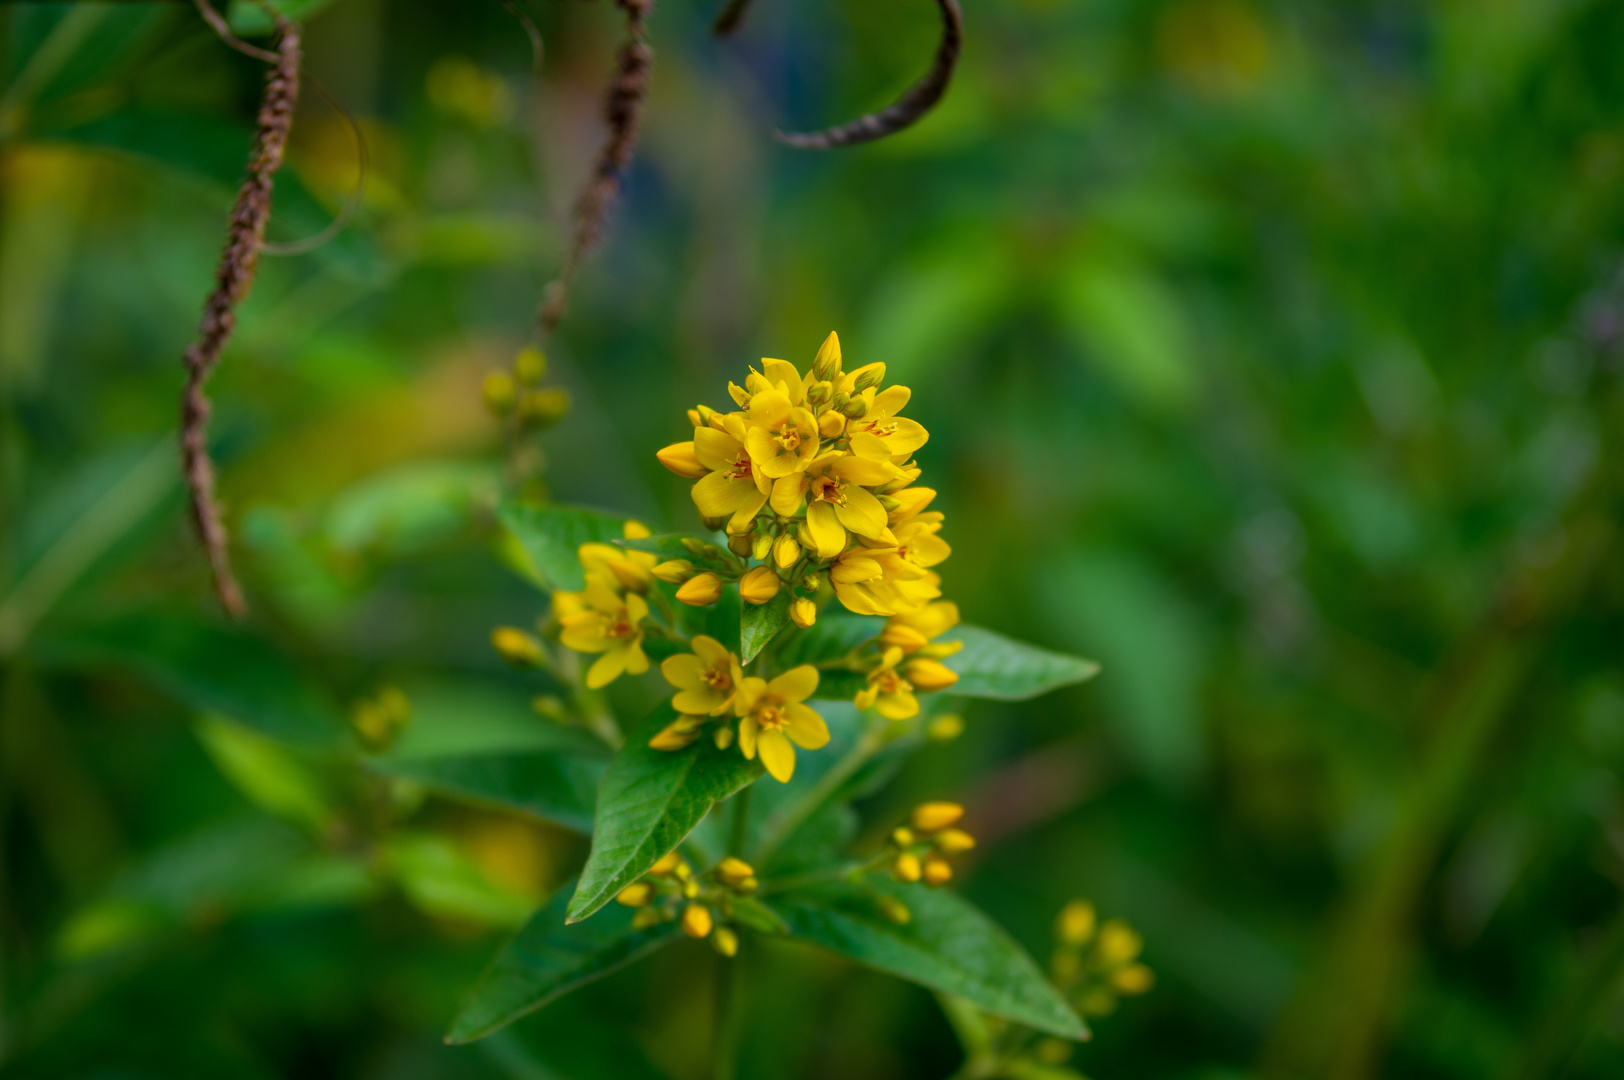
1270 356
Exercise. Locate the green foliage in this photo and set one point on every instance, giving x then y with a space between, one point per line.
550 536
760 623
703 553
993 666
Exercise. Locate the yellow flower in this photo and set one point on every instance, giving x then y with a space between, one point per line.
882 435
913 631
782 437
598 620
918 543
772 716
733 488
891 695
803 612
629 570
701 589
877 581
681 459
759 585
706 679
833 487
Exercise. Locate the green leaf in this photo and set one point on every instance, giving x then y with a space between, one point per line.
550 535
265 771
839 685
993 666
748 911
648 801
440 879
760 622
549 958
948 945
551 786
669 546
831 638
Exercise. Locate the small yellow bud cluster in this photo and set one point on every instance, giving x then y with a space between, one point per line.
702 905
516 392
606 618
919 851
1097 963
909 662
379 720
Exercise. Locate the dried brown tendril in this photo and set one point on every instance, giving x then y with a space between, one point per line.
235 275
908 109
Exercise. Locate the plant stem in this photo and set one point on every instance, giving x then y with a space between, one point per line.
741 822
866 746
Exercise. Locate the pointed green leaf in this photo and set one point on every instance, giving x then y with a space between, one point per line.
545 784
648 801
948 945
831 638
549 958
668 546
760 622
993 666
550 535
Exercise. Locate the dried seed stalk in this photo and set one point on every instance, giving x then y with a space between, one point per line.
244 239
623 109
906 110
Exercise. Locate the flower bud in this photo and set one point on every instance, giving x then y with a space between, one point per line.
839 402
945 728
690 889
786 552
678 733
500 393
761 546
933 816
895 910
695 419
826 365
517 647
707 416
723 737
530 365
683 871
1133 979
831 424
700 590
740 396
855 408
725 941
905 867
866 376
674 571
747 886
632 529
715 524
647 917
666 864
812 583
731 871
803 612
637 894
544 406
1119 942
696 920
820 393
953 841
928 675
938 871
759 585
902 836
680 459
740 544
898 636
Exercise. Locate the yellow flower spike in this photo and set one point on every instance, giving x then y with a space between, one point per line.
906 868
700 590
696 921
530 365
945 728
706 679
934 816
500 393
517 647
895 910
678 734
725 941
902 836
772 717
673 571
953 841
938 871
731 871
609 624
826 365
666 864
723 738
1119 943
786 552
929 675
637 894
1133 980
760 585
647 917
803 612
733 488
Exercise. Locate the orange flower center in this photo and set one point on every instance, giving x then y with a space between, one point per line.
829 489
741 468
717 678
887 681
788 436
616 626
772 717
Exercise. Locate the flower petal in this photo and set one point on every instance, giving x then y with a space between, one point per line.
787 494
796 684
720 495
861 470
806 728
778 755
606 669
749 692
716 449
695 702
685 671
862 513
709 650
749 728
826 530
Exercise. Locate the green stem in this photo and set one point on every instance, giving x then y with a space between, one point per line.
741 822
870 742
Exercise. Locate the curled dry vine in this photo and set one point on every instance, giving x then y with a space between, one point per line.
245 239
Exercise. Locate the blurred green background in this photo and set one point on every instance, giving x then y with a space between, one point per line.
1270 354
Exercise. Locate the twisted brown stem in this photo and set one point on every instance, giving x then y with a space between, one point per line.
235 275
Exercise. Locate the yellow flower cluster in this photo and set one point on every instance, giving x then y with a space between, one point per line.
1097 963
921 848
697 902
606 617
812 478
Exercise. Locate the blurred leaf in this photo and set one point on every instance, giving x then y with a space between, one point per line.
441 880
928 310
271 776
649 800
675 546
248 17
409 507
454 718
832 637
554 787
550 535
748 911
993 666
839 685
759 623
210 669
948 945
549 958
1130 324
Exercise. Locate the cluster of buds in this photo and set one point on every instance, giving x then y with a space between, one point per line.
378 720
1097 963
904 662
701 904
919 851
517 393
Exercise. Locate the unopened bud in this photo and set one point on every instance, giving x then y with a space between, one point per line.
903 837
637 894
906 638
931 816
826 365
723 738
725 941
855 408
945 728
666 864
831 424
761 546
1119 942
803 612
953 841
690 889
500 393
678 734
700 590
681 459
740 544
938 871
674 571
895 910
868 375
731 871
544 406
928 675
812 583
647 917
1133 979
683 871
748 886
696 920
530 365
786 552
905 867
707 416
820 393
517 647
839 402
633 529
889 503
759 585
